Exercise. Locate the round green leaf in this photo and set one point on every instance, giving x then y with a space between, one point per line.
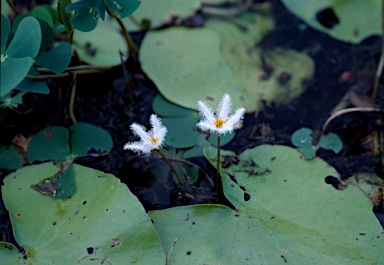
103 222
166 108
44 14
89 140
51 143
5 28
302 137
101 46
178 61
285 213
11 157
182 132
350 28
13 71
332 142
27 39
57 59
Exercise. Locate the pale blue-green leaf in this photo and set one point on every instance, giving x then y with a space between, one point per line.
57 59
5 28
11 157
87 13
124 8
31 85
13 71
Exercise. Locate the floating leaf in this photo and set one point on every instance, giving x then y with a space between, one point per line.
334 17
285 214
13 71
302 138
5 28
95 50
31 85
102 222
89 140
51 143
11 157
57 59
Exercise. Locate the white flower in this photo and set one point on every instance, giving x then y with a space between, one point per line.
148 140
222 122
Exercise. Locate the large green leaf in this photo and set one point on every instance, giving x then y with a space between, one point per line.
285 213
97 50
31 85
350 21
103 223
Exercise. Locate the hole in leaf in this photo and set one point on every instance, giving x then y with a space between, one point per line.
335 182
327 18
84 202
189 252
89 250
247 197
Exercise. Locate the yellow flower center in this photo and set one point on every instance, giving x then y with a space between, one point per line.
154 140
219 122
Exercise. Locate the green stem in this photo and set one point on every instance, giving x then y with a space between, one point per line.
72 100
131 45
172 168
127 78
218 161
66 74
13 7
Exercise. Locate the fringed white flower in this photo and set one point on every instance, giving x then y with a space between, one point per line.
222 122
153 139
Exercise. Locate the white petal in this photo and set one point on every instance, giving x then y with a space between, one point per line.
139 130
235 118
207 127
138 147
206 112
224 107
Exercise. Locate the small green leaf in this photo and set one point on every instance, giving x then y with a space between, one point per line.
47 34
302 138
35 86
27 39
63 16
332 142
89 140
57 59
43 13
13 71
87 13
5 28
11 157
51 143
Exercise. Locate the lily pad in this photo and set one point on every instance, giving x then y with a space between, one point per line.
11 157
97 50
223 59
335 18
102 223
285 213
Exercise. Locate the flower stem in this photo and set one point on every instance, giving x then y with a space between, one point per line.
218 161
172 168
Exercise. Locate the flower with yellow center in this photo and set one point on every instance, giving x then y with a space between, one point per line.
148 140
222 122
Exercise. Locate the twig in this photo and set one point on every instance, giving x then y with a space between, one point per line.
72 99
381 61
127 78
13 7
345 111
225 12
79 67
66 74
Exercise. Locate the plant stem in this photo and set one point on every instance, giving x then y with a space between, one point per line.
127 79
13 7
131 45
381 61
66 74
218 161
72 100
172 168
